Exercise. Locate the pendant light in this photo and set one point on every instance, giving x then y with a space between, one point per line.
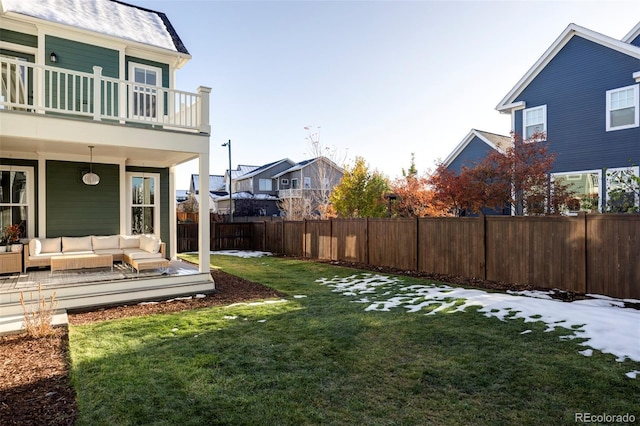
91 178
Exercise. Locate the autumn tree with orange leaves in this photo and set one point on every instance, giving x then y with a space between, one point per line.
414 197
517 178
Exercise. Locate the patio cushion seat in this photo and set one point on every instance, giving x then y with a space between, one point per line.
71 253
141 254
114 251
44 245
47 255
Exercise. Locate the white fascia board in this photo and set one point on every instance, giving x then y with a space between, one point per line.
636 76
631 35
569 32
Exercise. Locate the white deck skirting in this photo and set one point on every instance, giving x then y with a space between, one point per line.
96 287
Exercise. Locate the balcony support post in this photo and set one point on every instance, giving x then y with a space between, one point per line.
205 126
97 92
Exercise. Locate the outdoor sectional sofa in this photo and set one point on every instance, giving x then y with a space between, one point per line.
123 248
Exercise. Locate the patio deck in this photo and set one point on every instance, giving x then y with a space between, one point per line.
86 288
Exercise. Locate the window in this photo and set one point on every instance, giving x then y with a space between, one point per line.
325 183
622 108
294 183
144 102
586 188
17 199
534 121
622 189
265 185
284 181
144 202
307 182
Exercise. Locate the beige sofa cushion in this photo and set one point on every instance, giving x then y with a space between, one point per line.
35 247
106 242
141 254
129 241
39 246
76 244
150 243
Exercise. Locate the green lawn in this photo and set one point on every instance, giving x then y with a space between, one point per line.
322 359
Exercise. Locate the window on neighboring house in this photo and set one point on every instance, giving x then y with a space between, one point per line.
144 203
325 183
284 181
294 183
16 199
622 189
586 186
534 121
307 182
265 185
144 102
622 108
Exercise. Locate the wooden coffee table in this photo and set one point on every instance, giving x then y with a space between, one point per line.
81 261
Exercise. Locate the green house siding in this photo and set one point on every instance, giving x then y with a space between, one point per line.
75 209
164 198
76 56
18 38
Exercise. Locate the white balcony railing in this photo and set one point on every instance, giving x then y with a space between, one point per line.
44 89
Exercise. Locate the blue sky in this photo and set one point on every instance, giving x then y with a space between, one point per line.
382 79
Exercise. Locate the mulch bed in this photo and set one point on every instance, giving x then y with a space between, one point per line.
35 387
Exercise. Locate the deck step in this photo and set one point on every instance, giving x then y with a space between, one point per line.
77 296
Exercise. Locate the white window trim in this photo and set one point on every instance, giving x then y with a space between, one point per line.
284 181
576 172
524 119
156 204
307 182
636 96
634 169
296 183
159 96
31 200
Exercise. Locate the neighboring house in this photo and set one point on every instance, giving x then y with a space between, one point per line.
216 185
182 195
310 180
256 190
584 94
476 145
90 85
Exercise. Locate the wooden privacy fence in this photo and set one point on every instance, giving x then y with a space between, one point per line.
587 254
224 236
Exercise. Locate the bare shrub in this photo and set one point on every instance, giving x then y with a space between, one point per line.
38 314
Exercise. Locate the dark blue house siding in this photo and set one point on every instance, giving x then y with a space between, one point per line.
573 86
474 152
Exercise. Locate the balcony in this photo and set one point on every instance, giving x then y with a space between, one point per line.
41 89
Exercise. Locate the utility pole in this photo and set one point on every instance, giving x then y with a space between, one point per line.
228 145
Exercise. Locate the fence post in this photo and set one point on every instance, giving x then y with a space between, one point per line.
331 256
417 243
483 236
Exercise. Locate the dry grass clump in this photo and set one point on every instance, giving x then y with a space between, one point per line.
38 315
